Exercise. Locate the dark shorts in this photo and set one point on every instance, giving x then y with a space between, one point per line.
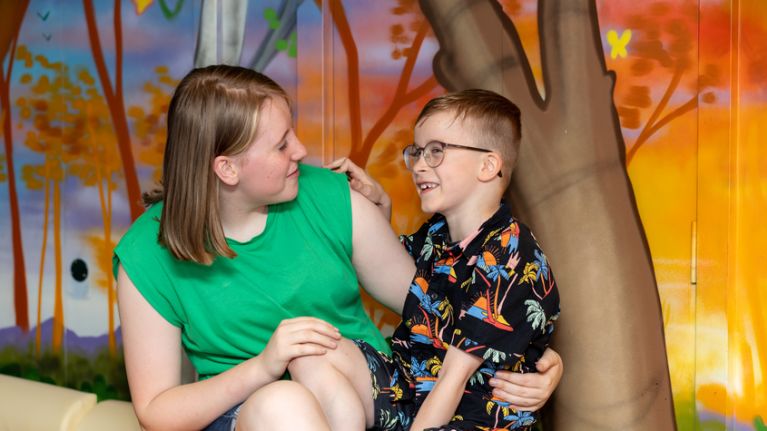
225 422
393 394
394 398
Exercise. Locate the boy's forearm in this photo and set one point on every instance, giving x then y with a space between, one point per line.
441 403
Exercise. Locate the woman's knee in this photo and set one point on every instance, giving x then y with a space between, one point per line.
338 358
313 367
300 366
281 405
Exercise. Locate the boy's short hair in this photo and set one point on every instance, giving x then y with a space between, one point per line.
494 118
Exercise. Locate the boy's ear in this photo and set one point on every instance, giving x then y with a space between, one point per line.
491 166
226 170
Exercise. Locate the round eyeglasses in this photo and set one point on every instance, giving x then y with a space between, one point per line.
433 153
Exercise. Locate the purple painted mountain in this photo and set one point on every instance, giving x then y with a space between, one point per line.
73 343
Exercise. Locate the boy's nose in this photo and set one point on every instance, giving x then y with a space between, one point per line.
420 163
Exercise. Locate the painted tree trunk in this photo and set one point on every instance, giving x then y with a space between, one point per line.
20 304
58 301
105 201
571 186
43 249
14 13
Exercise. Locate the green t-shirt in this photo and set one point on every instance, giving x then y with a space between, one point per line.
300 265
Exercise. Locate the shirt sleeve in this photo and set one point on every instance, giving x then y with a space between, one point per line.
146 263
511 303
418 244
414 242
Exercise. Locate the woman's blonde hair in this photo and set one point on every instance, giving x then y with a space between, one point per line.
213 112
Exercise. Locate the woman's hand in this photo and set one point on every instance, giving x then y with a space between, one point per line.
360 181
529 392
301 336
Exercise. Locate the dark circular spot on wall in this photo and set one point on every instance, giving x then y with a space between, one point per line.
79 270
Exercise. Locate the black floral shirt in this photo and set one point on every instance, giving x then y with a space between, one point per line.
492 295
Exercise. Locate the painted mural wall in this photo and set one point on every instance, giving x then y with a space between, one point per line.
641 171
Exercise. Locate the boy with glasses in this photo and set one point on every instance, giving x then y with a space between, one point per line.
483 297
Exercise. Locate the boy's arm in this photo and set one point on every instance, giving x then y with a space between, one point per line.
441 403
383 266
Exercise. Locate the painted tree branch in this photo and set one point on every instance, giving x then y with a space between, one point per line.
360 155
418 91
361 149
116 108
650 128
498 63
678 112
571 24
571 186
286 14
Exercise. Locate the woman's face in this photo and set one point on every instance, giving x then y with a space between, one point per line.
269 167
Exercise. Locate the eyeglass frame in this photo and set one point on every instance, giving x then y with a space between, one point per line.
420 152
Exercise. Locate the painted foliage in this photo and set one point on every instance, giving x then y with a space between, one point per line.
640 171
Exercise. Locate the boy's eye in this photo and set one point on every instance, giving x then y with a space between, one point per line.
283 146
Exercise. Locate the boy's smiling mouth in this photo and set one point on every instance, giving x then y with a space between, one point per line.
426 186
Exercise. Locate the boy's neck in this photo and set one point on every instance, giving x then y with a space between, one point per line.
467 220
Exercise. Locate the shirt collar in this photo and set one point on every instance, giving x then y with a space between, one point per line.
440 234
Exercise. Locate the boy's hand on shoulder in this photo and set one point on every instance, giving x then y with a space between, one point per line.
360 181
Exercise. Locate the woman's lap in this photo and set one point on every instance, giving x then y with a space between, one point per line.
225 422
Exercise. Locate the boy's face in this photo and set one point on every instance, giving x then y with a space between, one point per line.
447 187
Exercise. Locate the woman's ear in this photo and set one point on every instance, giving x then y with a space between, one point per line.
226 170
491 167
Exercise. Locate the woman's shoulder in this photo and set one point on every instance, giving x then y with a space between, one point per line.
316 176
145 228
323 184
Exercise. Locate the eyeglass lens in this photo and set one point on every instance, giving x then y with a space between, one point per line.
433 154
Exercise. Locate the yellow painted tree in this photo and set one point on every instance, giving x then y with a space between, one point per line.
72 130
54 135
98 165
149 120
37 177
